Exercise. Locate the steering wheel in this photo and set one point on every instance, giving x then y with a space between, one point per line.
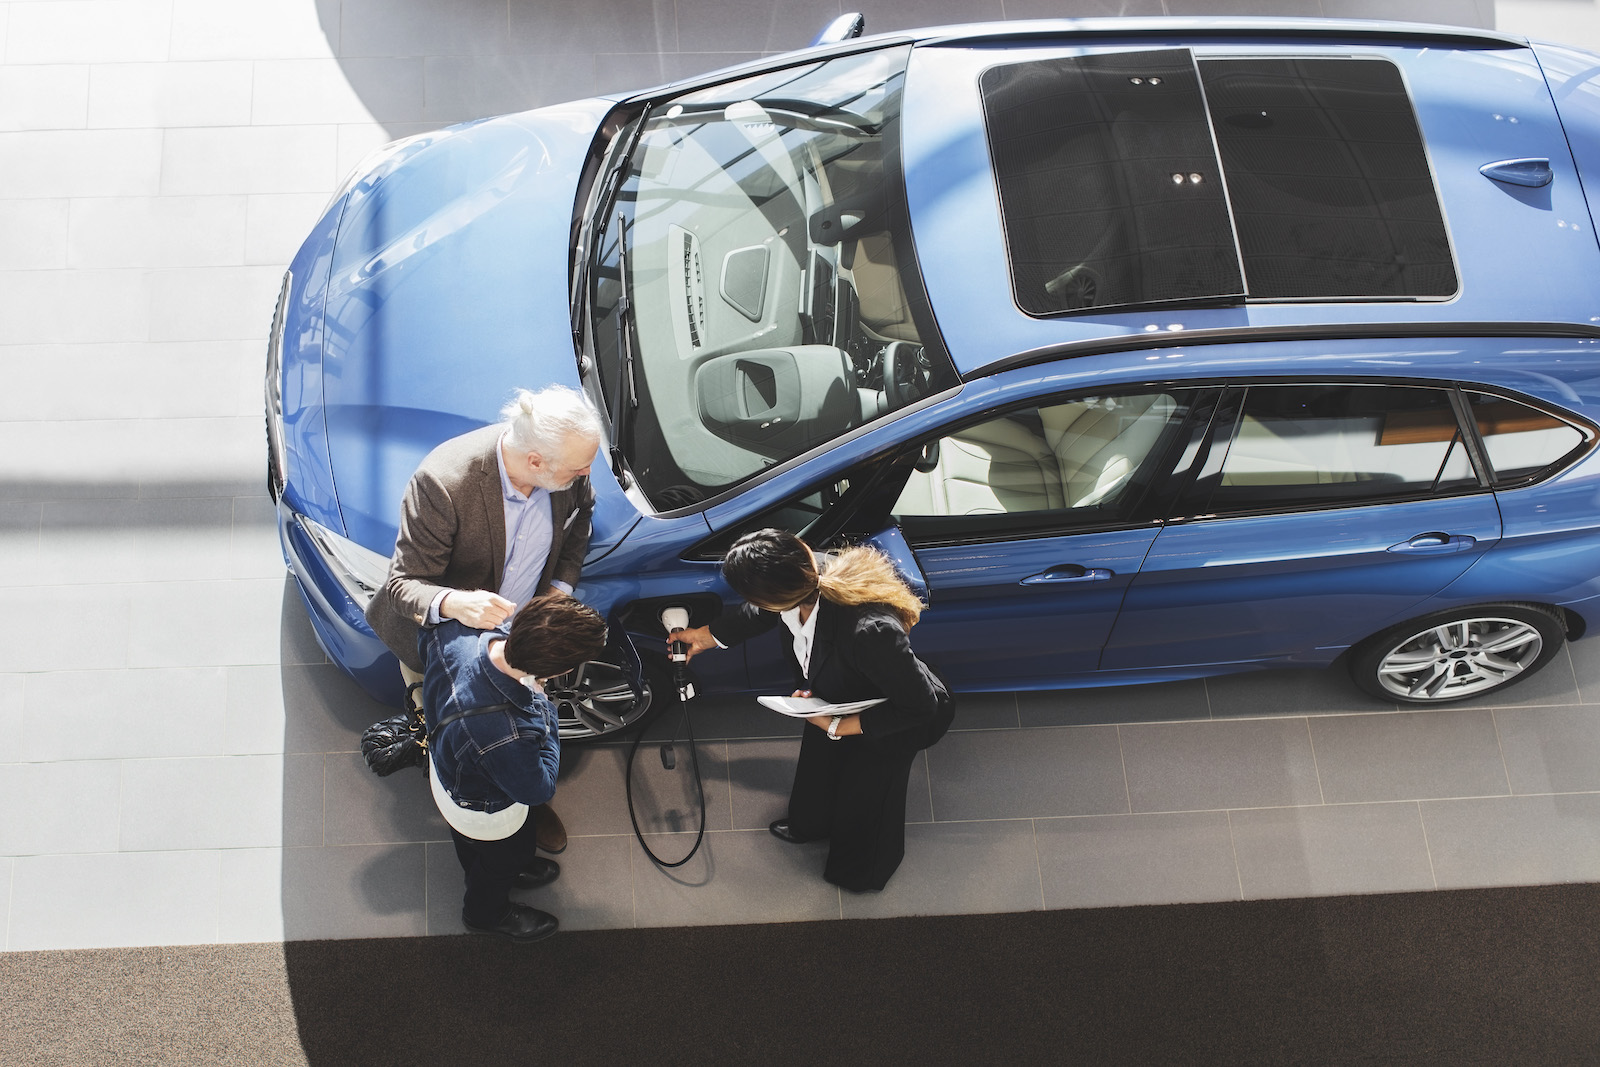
907 373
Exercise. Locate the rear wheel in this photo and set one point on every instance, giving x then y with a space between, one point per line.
1454 655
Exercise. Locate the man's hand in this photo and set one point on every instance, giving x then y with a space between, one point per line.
698 639
477 608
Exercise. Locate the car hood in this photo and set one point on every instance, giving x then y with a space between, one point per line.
448 291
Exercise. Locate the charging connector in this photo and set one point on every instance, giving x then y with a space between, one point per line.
672 619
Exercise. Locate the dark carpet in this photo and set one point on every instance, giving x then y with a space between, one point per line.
1495 976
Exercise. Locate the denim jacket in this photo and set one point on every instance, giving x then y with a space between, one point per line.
495 759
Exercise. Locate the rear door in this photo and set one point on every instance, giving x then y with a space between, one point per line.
1320 514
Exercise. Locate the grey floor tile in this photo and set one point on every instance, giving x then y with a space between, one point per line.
251 895
1311 8
1022 774
1450 12
738 876
765 26
7 865
239 623
123 714
986 711
1551 750
1514 840
1116 860
96 617
37 823
422 28
594 892
254 718
1288 692
469 87
106 900
324 709
201 803
305 799
253 548
1555 683
354 891
1325 851
1055 9
363 808
919 791
1248 763
1408 756
13 695
647 26
886 15
760 774
957 869
669 801
1585 656
1114 704
21 552
590 792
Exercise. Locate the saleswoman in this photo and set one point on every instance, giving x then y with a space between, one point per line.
849 625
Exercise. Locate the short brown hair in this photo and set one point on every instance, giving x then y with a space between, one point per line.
552 634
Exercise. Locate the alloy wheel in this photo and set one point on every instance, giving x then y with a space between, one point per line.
1460 659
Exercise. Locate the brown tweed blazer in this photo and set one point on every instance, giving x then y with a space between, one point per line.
453 536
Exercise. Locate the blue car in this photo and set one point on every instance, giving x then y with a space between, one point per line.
1148 349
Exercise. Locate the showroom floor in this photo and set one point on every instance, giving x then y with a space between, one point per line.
178 759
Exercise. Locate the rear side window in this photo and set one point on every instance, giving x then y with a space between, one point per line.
1310 445
1521 442
1146 177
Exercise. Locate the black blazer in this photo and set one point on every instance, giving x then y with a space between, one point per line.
860 652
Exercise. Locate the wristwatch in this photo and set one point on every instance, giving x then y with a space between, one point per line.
833 728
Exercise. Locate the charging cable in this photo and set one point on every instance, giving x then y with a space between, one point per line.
678 657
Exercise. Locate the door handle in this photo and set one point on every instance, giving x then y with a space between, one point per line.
1434 543
1067 572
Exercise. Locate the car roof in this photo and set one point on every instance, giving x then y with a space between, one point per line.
1524 257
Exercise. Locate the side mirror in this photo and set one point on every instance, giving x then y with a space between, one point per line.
843 28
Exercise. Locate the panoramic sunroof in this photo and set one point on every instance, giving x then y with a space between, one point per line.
1112 191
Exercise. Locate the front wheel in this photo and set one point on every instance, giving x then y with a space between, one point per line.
1457 654
598 700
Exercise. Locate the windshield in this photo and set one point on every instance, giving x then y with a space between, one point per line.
753 292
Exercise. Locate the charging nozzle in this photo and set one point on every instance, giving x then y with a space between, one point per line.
677 618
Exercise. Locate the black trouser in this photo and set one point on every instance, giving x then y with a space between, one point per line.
853 792
491 866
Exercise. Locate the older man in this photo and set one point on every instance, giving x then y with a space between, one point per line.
491 519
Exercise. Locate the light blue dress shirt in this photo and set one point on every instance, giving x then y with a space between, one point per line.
528 530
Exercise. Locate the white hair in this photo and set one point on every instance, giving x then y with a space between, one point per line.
543 422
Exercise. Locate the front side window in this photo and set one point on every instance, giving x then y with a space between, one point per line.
753 293
1318 445
1078 463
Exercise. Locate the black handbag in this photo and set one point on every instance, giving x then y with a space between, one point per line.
399 741
402 740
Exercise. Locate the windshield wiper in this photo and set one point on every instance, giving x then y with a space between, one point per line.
626 400
594 227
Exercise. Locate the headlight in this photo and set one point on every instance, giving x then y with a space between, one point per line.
360 571
277 456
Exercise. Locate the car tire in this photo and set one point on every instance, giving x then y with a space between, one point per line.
588 699
1458 654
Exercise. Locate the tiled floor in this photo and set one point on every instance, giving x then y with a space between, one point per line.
177 757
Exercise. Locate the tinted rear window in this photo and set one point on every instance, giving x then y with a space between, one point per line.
1113 192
